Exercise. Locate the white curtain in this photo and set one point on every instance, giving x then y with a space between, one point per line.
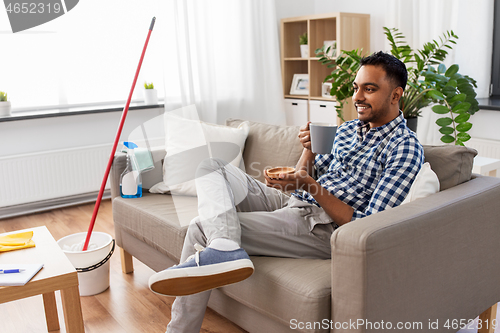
422 21
224 58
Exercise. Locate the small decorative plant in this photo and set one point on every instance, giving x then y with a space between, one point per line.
303 39
452 92
3 96
150 94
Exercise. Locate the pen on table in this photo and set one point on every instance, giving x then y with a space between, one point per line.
8 271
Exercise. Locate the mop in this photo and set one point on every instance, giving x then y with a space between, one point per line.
118 134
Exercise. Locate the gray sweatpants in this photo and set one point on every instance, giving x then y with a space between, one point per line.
263 220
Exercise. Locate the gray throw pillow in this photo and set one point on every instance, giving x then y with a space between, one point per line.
452 164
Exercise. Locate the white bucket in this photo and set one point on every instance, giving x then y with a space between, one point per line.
92 265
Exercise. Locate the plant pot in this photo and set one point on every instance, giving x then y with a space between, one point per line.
151 96
4 108
304 51
412 123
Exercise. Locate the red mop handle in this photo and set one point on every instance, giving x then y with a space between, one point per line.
118 134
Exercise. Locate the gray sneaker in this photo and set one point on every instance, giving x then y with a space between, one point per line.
207 269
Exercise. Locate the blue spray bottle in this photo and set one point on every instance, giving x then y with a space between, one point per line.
130 179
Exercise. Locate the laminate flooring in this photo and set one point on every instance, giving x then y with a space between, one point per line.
128 306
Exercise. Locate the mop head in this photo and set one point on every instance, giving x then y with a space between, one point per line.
79 246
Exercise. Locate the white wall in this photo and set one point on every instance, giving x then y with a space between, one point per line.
293 8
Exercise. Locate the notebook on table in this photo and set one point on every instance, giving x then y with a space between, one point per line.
18 279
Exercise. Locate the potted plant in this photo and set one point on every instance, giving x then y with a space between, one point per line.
304 47
452 92
150 94
4 104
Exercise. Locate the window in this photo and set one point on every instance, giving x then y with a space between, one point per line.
88 55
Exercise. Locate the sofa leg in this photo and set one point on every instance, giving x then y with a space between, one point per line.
487 320
126 259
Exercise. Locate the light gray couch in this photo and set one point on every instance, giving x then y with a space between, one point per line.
434 259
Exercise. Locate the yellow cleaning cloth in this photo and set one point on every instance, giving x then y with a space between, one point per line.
21 240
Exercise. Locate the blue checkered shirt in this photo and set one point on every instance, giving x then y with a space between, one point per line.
370 169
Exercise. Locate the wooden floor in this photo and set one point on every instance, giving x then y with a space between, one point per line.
127 306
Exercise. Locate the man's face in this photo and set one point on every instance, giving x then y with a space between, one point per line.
373 96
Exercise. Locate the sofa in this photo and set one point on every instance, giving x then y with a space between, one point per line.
428 265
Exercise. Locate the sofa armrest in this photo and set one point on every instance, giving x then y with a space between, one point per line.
436 258
149 178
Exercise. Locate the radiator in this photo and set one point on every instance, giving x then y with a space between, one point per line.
52 174
485 148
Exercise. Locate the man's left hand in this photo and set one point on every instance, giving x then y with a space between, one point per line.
289 182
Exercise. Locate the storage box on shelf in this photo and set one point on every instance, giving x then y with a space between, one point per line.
322 112
350 31
296 111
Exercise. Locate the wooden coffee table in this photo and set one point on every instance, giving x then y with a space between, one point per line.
57 274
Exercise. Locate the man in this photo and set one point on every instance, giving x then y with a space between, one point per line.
372 166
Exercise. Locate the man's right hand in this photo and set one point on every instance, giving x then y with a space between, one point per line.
305 136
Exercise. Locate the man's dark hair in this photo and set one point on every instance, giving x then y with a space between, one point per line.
395 69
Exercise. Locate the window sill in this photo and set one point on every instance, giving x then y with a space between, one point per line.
492 103
76 110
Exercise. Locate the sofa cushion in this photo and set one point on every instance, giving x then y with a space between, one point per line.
452 164
190 141
161 221
286 289
269 146
426 183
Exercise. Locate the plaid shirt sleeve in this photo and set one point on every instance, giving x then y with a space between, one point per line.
403 164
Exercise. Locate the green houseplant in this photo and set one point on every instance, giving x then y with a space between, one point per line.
452 92
4 104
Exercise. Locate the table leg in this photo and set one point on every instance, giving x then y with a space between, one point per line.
486 320
72 310
49 303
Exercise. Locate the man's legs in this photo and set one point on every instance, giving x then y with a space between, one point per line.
222 190
269 228
287 232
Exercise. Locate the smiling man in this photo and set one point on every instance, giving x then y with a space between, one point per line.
372 165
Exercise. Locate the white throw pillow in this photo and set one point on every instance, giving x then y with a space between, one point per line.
188 142
425 184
